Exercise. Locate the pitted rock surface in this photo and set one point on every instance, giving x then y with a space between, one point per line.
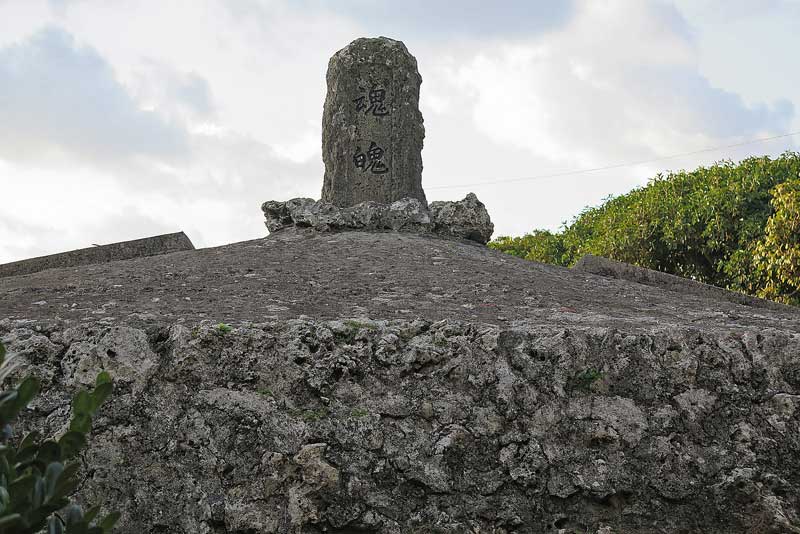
464 219
467 218
383 382
363 426
389 275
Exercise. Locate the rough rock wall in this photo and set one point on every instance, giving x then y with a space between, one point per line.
357 427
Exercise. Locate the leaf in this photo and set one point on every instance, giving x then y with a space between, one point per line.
73 515
21 487
51 476
39 490
81 423
82 403
49 451
67 482
71 444
9 406
78 528
9 366
10 520
27 390
25 454
54 526
100 394
5 500
103 378
29 439
91 513
109 521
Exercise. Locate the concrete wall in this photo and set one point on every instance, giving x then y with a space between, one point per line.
148 246
625 271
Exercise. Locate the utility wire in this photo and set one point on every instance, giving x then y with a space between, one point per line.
616 165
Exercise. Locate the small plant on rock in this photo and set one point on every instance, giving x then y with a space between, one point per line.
222 328
38 476
586 378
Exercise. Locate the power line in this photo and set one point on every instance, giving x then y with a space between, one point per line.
617 165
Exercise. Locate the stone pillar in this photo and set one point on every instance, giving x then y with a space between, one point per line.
372 128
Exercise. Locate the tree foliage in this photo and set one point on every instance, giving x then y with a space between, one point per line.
730 225
37 476
777 255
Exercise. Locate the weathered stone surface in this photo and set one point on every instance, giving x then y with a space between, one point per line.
413 426
381 274
407 212
495 395
372 130
625 271
366 215
277 214
466 219
137 248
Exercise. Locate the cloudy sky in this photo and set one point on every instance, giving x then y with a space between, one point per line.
121 119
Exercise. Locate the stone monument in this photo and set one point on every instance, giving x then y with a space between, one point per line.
372 128
372 136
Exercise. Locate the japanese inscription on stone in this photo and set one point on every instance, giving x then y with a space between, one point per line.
374 155
372 129
371 103
375 105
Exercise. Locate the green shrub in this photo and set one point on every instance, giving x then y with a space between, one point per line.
38 476
730 225
777 254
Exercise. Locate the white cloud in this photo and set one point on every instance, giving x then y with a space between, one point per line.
60 97
619 82
132 117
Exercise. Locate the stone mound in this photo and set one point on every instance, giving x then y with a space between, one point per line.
465 219
433 386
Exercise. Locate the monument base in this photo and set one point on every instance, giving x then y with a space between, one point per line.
465 219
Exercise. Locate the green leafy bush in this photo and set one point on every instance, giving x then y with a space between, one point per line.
730 225
777 254
38 476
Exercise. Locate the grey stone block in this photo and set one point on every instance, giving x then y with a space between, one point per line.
125 250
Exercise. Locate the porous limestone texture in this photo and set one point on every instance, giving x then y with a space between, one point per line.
372 129
360 426
404 383
464 219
